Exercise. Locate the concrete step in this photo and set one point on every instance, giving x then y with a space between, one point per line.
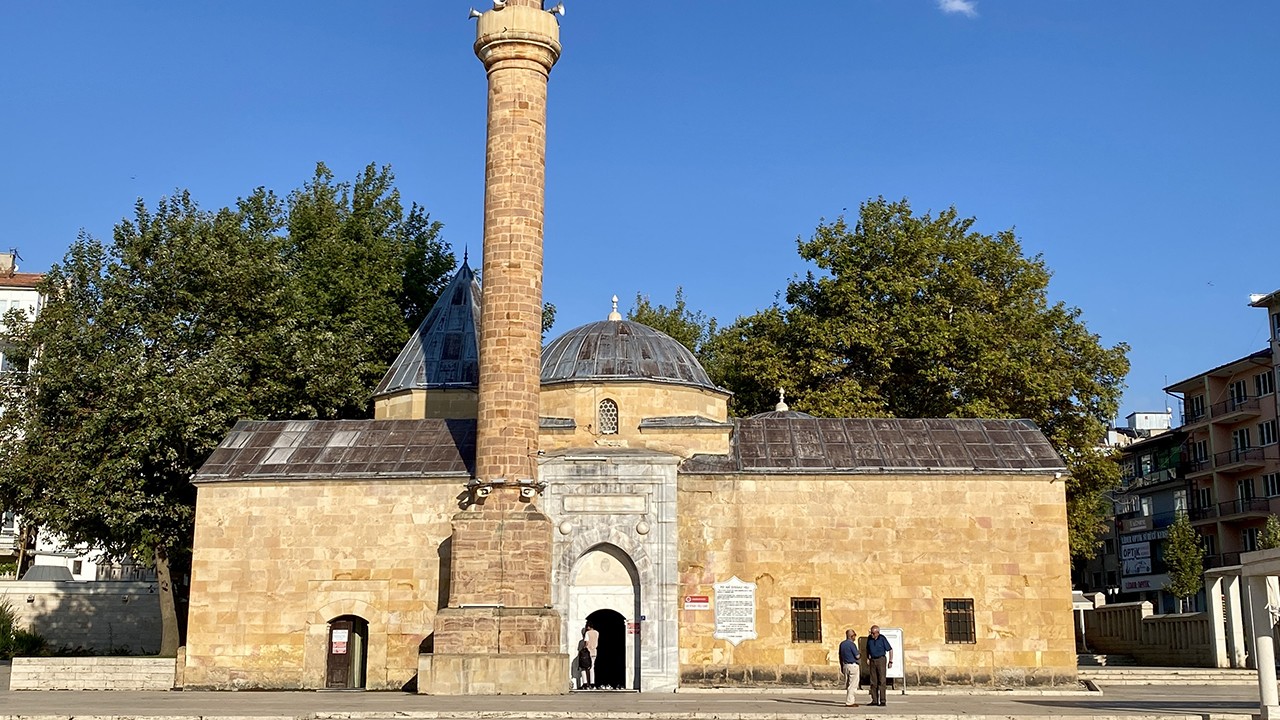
1092 660
1103 676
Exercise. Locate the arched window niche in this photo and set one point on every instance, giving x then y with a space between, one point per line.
607 417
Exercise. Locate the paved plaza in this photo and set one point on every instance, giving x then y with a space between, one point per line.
1204 702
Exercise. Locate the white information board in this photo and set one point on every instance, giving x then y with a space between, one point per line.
894 636
735 606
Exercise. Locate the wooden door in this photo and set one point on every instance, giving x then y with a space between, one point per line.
338 666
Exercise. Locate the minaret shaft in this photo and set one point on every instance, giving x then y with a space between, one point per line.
499 633
511 311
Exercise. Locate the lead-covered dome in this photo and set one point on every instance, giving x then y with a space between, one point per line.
621 350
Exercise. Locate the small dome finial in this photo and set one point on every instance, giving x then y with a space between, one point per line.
782 401
613 314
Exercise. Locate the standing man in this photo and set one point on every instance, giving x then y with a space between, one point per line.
849 666
592 638
879 660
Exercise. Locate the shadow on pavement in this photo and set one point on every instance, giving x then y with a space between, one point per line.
1148 707
810 701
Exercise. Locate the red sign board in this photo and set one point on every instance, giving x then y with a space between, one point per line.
697 602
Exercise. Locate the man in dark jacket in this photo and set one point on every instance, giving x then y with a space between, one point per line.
879 660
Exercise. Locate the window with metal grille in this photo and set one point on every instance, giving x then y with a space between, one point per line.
608 419
957 615
806 620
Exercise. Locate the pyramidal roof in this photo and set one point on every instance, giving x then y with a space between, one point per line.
443 350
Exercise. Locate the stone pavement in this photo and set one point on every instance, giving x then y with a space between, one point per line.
1148 702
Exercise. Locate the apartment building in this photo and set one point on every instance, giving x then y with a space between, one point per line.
1231 457
1130 564
17 291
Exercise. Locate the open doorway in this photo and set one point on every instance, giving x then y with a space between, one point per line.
611 655
347 649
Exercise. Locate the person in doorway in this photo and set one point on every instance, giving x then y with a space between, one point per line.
591 637
849 666
879 660
585 667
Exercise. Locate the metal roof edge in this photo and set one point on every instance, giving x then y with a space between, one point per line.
345 477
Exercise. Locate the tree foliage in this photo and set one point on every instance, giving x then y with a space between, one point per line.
1185 559
922 316
690 328
148 349
1270 539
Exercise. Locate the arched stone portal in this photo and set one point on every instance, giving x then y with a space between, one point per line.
604 589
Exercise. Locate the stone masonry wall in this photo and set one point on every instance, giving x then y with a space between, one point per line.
418 404
636 401
105 616
92 673
273 564
880 549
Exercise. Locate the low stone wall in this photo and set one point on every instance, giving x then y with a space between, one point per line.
92 673
1180 640
106 616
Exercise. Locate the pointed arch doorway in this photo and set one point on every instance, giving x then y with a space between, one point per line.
604 591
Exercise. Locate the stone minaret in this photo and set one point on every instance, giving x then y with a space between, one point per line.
499 634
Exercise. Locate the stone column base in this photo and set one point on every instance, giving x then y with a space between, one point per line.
483 674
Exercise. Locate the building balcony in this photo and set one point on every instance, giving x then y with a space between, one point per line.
1235 410
1157 477
1223 560
1203 514
1245 509
1191 418
1240 459
125 571
1193 467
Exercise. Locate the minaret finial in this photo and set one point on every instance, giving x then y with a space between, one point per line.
782 401
613 314
465 251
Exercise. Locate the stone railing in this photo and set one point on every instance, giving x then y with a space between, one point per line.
92 673
1180 640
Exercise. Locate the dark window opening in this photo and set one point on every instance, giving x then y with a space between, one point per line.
806 620
958 617
452 347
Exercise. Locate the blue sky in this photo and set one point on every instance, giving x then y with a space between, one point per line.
1133 144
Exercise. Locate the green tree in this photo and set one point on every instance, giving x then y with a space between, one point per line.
921 316
690 328
1185 559
147 350
1270 539
548 318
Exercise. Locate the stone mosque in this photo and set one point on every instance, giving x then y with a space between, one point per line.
505 494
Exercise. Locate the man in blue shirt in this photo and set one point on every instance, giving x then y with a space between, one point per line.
879 660
849 666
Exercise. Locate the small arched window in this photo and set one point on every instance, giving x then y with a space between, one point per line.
608 420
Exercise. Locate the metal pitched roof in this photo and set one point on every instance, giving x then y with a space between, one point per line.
867 445
342 449
442 352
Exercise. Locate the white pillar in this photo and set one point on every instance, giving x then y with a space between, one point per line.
1235 621
1264 650
1217 622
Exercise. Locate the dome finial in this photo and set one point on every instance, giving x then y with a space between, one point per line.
613 314
782 401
